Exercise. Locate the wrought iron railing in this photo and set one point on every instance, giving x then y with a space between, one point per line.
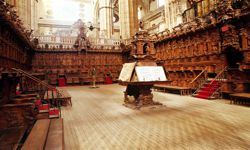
199 79
220 77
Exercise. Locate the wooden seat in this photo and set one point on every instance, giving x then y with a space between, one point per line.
165 88
65 98
46 134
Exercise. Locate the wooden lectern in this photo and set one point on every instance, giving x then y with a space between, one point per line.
141 73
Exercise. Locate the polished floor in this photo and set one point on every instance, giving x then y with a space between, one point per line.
99 121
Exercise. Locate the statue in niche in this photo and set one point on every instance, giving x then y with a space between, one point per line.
141 25
81 42
145 49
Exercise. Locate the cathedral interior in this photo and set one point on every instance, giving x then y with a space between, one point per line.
124 74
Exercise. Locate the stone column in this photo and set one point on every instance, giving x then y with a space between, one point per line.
206 6
167 14
41 9
178 12
11 2
128 13
34 15
173 12
28 14
106 18
181 7
24 12
199 9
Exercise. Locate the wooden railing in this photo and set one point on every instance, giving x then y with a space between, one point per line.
43 87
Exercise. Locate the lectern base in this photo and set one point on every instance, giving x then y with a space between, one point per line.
137 96
94 87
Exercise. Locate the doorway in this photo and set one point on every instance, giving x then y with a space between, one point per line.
233 57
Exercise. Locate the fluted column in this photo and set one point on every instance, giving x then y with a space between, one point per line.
181 6
167 14
173 12
106 18
34 15
23 8
11 2
128 18
28 14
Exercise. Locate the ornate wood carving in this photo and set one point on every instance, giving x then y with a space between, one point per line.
192 47
76 66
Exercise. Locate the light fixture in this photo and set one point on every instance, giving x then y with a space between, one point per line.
91 26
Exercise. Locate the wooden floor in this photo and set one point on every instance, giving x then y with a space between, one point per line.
99 121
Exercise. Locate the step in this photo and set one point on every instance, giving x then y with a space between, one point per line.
28 95
204 93
22 100
44 115
220 79
204 97
208 88
37 136
213 84
199 96
43 108
38 102
54 113
55 139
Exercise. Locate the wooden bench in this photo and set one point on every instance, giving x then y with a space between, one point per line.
166 88
46 134
240 98
65 98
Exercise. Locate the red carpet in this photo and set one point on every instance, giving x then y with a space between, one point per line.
207 90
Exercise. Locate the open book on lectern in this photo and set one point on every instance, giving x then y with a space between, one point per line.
150 73
132 73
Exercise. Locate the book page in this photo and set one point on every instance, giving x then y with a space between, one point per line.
150 73
126 72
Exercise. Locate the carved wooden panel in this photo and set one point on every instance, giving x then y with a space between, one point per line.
75 66
17 115
187 55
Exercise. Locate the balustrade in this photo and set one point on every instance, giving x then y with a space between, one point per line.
67 43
